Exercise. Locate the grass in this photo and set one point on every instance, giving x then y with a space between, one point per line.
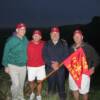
93 95
5 90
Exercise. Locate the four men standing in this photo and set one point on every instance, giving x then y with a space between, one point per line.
36 54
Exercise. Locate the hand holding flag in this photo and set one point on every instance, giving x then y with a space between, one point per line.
76 64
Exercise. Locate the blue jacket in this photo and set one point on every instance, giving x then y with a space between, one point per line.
56 52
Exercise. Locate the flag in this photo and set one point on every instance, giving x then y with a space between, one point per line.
77 65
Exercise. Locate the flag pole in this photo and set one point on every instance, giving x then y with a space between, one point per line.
52 72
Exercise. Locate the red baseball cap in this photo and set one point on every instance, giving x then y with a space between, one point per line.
20 25
78 31
37 32
55 29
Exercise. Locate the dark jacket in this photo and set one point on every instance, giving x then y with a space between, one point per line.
56 52
93 58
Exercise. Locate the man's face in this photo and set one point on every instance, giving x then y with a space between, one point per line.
36 37
78 37
55 36
21 31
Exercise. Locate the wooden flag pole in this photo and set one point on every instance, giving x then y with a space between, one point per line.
52 72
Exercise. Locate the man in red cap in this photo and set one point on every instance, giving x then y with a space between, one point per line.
14 60
35 64
54 52
92 59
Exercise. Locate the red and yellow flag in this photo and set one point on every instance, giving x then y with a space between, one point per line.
77 65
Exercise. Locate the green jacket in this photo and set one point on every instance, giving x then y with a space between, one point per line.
15 51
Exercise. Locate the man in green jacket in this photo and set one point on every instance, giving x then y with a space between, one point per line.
14 61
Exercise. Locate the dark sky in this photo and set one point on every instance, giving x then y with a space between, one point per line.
44 13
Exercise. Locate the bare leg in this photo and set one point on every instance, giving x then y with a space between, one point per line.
32 85
39 88
85 97
76 95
